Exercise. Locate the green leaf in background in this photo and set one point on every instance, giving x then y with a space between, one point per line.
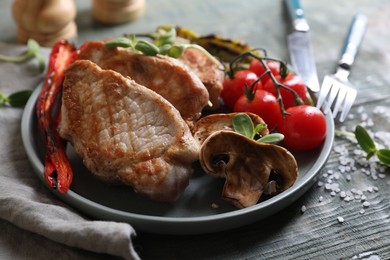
17 99
365 141
20 98
384 156
271 138
3 99
243 124
33 51
33 47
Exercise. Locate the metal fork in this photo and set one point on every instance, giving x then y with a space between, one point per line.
336 88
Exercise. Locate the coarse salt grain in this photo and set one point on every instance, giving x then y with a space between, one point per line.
352 162
214 205
348 199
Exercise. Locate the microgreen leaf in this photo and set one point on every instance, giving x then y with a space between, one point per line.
20 98
3 99
33 46
147 48
119 42
243 124
365 141
33 51
176 51
258 129
164 49
384 156
17 99
370 154
271 138
168 37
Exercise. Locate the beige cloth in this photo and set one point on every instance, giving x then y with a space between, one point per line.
34 224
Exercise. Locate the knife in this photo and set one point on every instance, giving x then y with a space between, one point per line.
299 47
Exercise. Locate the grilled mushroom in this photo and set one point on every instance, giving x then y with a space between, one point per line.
216 122
248 166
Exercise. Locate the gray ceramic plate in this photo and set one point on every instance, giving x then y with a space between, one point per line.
191 214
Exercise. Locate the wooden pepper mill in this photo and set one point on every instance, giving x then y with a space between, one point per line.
117 11
45 21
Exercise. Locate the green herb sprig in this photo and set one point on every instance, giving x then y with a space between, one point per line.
33 51
164 43
17 99
368 145
243 124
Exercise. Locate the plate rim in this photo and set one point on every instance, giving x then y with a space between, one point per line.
177 225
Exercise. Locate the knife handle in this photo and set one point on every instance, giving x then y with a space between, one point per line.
353 40
297 15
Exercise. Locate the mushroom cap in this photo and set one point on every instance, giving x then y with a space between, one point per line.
247 165
207 125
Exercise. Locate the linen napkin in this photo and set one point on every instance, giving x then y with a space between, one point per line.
25 202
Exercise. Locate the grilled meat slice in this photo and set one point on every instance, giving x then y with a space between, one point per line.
125 132
209 72
166 76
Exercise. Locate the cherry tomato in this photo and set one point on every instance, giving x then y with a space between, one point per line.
304 128
234 88
292 81
263 104
257 67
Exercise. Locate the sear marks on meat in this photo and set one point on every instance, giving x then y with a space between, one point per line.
126 133
210 73
166 76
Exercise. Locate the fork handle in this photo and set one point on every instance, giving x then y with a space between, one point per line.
353 40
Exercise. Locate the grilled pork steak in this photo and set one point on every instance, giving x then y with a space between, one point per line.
126 132
210 73
166 76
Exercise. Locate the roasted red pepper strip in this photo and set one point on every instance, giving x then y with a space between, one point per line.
58 172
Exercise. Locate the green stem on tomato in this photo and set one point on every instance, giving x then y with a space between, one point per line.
250 91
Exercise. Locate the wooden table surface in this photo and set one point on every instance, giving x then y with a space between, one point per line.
292 233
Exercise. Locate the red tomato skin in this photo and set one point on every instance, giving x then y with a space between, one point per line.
292 81
235 87
257 67
303 129
263 104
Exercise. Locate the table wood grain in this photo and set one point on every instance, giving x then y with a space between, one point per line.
293 233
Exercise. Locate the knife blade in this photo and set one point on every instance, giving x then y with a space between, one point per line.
298 41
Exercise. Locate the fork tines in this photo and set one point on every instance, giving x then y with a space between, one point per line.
334 95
